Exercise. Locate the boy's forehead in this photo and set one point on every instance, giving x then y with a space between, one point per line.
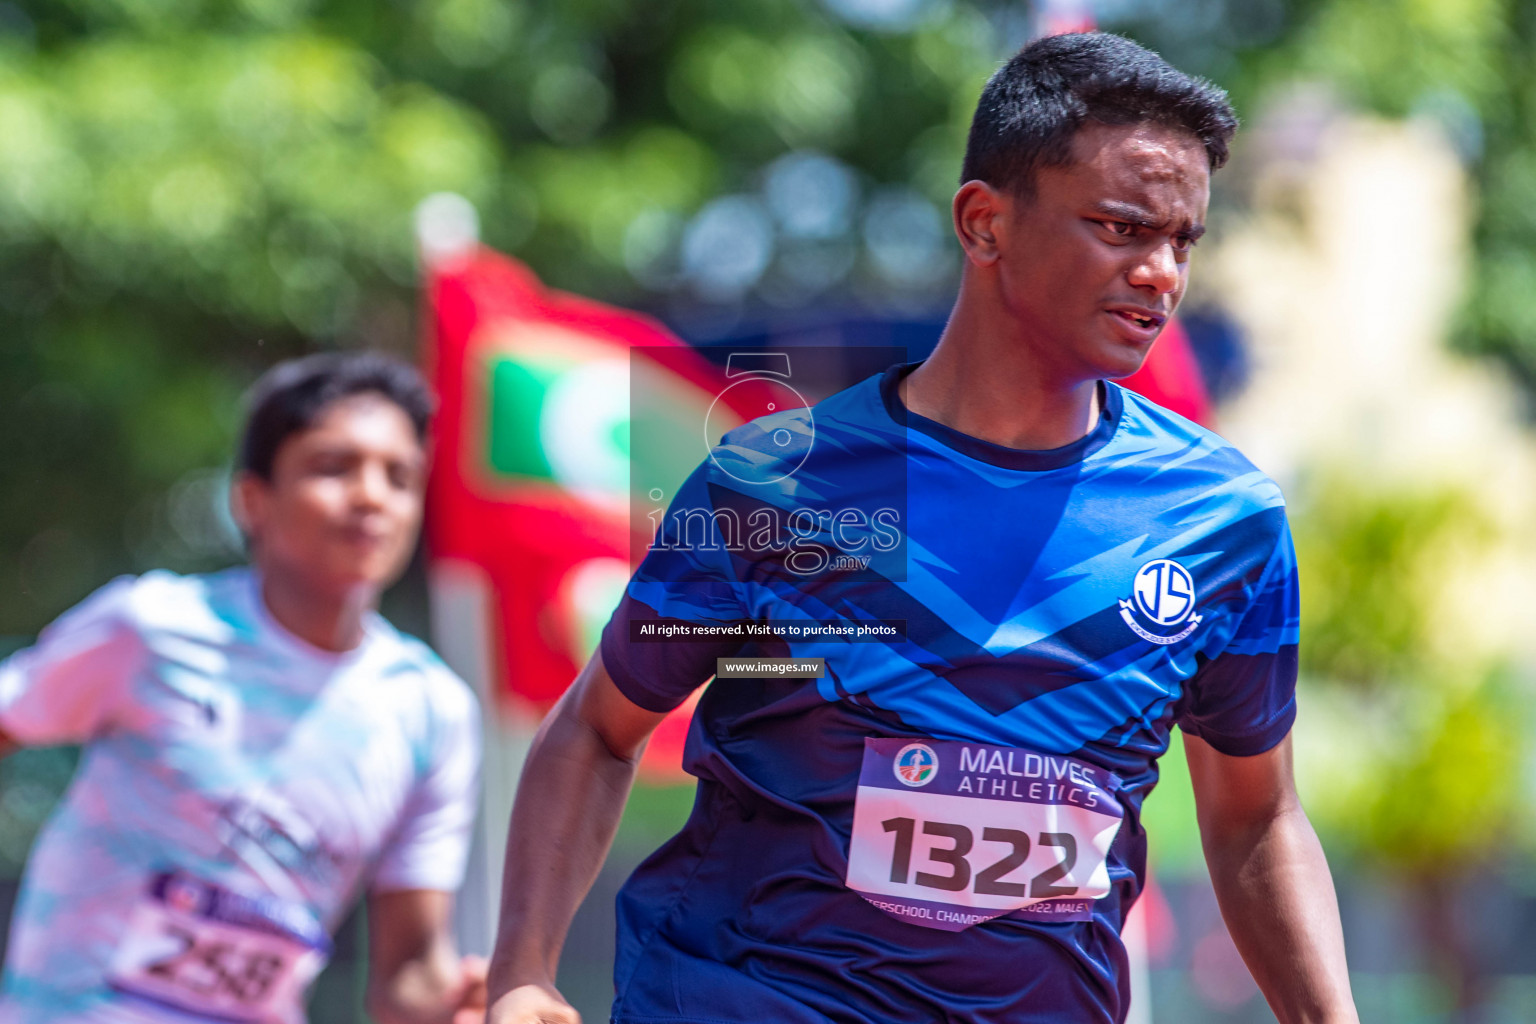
1147 164
360 406
1146 152
366 417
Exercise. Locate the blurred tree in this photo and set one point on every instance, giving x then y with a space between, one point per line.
1465 66
178 209
1411 753
1499 317
190 190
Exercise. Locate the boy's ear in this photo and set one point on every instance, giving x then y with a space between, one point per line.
979 212
247 502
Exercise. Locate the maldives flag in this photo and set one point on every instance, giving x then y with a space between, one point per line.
529 525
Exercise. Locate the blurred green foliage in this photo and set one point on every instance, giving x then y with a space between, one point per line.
1376 561
1466 66
190 190
1412 743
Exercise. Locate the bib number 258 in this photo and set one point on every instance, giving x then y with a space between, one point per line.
215 954
989 880
215 968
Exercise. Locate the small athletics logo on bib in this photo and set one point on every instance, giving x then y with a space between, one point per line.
1162 593
916 764
183 895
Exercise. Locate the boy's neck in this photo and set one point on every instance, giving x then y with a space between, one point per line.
330 622
996 388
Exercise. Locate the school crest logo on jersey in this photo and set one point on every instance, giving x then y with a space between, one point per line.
1162 599
916 764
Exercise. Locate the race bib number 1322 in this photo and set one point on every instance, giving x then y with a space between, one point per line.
947 835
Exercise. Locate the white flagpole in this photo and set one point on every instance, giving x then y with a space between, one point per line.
463 631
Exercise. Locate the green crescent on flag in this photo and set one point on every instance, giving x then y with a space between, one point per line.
599 422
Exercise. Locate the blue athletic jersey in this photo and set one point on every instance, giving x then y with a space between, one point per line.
1071 605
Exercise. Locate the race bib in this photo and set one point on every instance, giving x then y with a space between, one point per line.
202 949
947 835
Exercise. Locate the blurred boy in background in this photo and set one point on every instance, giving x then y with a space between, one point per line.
259 745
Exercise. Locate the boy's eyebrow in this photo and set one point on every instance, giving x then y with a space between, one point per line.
1133 214
327 449
1129 212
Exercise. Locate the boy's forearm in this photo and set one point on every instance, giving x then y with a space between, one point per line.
1277 897
569 802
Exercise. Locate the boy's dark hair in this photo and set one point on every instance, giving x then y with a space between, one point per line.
291 396
1033 106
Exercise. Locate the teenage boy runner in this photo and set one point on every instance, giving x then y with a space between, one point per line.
946 825
259 746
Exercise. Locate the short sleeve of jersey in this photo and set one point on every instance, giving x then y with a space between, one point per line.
67 687
430 847
687 576
1243 701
